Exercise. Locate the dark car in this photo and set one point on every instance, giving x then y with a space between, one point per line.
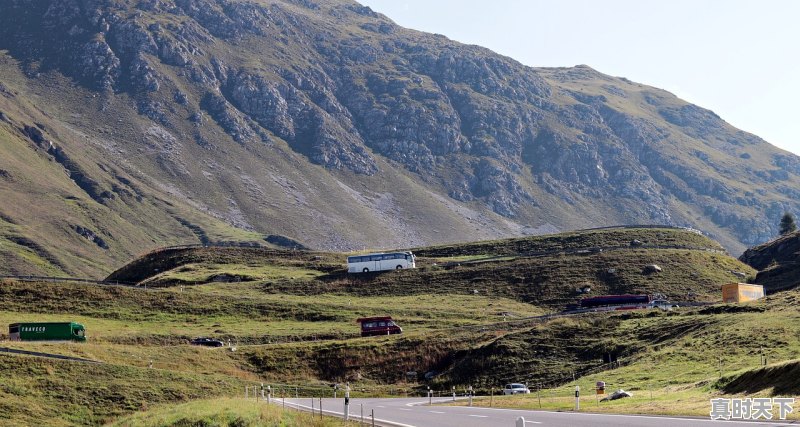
383 325
208 342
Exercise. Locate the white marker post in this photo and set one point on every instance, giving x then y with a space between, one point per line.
347 402
269 394
454 393
577 398
520 422
470 395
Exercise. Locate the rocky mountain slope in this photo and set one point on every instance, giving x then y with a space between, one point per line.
776 262
131 124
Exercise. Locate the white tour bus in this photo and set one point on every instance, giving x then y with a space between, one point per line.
380 262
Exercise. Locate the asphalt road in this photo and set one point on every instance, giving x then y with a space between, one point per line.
415 412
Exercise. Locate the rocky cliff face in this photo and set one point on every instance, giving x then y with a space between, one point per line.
776 262
336 85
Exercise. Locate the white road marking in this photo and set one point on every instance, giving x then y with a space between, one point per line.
533 422
478 416
417 403
394 423
436 412
404 409
378 406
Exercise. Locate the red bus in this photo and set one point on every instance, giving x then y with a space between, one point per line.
383 325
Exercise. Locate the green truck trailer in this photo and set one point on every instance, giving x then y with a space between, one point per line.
47 331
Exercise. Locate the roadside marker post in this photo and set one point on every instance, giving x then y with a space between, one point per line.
577 398
539 392
269 394
372 415
430 397
454 393
600 388
470 395
347 404
521 422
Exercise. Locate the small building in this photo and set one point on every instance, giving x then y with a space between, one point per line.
741 292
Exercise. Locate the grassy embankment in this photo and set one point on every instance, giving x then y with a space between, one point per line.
226 412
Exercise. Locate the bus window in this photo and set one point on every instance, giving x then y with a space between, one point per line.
375 258
382 324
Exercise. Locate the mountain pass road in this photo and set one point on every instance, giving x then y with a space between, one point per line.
415 412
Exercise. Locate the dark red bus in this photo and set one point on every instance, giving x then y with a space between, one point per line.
384 325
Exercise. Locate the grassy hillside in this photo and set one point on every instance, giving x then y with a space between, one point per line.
466 316
680 359
60 393
541 270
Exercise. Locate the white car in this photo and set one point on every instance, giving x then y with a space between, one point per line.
662 304
516 388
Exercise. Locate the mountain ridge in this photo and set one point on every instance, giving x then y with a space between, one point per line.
201 121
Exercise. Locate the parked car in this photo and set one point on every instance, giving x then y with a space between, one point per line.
516 388
207 342
662 304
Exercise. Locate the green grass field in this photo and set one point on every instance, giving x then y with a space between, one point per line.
226 412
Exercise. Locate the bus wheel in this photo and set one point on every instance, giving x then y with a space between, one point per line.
399 267
366 270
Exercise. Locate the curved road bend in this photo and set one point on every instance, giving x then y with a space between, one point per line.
415 412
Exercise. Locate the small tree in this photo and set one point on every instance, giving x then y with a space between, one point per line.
787 224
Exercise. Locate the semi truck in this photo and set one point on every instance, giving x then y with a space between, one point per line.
607 300
623 302
47 331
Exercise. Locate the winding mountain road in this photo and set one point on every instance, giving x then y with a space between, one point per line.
415 412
